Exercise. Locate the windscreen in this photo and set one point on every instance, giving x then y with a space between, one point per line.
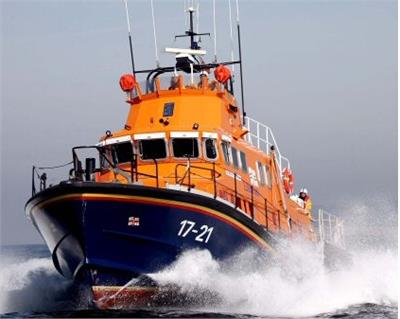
185 147
122 152
211 151
152 149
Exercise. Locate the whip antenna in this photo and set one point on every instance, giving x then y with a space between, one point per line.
130 37
198 16
240 61
215 33
231 36
185 6
155 34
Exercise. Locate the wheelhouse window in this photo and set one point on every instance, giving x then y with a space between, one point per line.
122 152
261 173
243 161
235 158
268 176
105 157
152 149
210 148
185 147
226 151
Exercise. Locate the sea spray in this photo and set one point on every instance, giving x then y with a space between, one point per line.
370 222
301 286
31 285
295 283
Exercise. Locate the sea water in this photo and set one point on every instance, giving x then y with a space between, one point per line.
30 286
296 285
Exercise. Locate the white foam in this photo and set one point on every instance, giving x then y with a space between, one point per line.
30 285
300 287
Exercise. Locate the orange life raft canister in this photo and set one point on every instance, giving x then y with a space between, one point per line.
288 180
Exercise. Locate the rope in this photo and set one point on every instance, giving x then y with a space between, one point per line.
215 32
154 33
231 35
54 167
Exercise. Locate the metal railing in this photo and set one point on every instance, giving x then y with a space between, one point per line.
180 180
247 203
40 175
80 173
261 136
241 194
330 229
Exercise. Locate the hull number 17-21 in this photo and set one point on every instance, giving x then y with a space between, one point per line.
189 227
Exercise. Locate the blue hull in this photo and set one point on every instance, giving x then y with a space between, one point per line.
107 234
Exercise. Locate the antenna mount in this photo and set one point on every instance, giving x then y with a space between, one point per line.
194 45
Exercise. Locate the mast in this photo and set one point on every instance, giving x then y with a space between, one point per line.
191 33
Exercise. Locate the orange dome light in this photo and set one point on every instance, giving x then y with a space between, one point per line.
127 82
222 74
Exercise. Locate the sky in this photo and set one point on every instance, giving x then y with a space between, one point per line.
321 74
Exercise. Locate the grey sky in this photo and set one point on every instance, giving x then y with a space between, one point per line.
322 74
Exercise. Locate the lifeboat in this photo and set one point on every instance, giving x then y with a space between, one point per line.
189 170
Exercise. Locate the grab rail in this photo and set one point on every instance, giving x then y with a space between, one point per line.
262 137
42 178
330 229
234 192
77 172
237 197
134 173
180 180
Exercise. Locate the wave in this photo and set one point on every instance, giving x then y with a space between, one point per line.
297 285
301 286
31 285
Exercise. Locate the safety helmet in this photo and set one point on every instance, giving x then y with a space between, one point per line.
304 190
287 170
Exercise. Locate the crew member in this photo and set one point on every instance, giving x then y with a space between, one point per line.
303 195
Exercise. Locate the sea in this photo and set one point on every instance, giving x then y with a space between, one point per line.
30 287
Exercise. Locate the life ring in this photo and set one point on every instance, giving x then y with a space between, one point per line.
288 180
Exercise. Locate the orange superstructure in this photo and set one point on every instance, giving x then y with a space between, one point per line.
222 163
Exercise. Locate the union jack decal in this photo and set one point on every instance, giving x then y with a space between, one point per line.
133 221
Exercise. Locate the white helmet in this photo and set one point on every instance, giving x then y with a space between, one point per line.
304 190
